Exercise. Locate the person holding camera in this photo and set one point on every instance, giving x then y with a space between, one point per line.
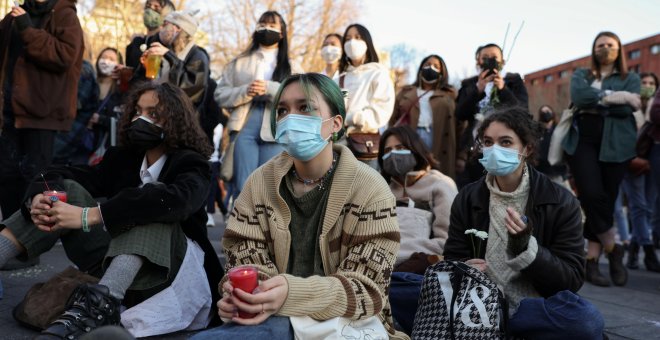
478 97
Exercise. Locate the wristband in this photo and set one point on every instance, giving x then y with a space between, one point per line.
98 205
85 226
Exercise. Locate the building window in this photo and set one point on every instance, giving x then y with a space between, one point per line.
634 54
655 49
535 81
634 68
549 78
563 74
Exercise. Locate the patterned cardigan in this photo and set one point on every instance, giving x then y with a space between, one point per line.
358 242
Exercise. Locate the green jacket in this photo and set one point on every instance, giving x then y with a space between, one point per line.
619 129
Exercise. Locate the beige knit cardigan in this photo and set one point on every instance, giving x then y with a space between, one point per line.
359 241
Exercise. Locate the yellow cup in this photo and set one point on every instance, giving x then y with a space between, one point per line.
152 66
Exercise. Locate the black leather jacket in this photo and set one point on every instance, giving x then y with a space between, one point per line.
556 222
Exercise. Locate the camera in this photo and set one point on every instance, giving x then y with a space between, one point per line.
490 64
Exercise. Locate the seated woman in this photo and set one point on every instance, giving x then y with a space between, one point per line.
150 229
319 225
534 247
424 197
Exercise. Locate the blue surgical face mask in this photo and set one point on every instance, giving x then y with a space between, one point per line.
301 136
500 161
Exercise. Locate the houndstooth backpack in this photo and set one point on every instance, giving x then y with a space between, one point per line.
459 302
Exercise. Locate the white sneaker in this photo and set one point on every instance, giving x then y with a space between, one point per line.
210 222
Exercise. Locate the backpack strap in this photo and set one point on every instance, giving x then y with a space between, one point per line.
341 80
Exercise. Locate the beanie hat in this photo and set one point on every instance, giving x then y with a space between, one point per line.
185 20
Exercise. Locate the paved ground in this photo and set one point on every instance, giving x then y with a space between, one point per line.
631 312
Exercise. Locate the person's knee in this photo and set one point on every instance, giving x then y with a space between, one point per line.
10 236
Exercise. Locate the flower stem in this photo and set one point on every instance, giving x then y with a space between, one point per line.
474 252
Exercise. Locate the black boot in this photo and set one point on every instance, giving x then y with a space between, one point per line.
618 271
89 307
594 276
651 259
656 240
633 256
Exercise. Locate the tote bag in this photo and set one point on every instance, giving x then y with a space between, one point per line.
556 151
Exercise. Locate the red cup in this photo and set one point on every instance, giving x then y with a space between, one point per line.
245 278
55 195
125 75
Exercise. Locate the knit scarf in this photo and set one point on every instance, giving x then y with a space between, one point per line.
511 282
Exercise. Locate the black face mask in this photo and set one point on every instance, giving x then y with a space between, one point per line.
144 135
430 75
546 116
267 37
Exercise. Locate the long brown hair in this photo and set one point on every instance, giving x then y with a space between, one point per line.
444 73
181 127
620 62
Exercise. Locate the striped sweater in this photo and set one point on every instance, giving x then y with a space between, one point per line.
359 241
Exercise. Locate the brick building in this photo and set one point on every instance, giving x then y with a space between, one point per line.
551 86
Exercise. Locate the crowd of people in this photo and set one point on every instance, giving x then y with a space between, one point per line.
339 190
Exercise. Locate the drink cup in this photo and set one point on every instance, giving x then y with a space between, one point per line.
54 196
152 66
245 278
125 75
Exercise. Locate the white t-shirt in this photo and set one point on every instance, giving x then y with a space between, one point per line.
269 62
425 111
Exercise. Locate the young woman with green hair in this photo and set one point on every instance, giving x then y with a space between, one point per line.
319 225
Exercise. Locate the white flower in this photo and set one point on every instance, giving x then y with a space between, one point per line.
143 47
471 231
481 234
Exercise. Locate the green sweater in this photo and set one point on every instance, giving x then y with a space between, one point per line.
619 129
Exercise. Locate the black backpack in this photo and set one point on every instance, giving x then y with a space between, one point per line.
459 302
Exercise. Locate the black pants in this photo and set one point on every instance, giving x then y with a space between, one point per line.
32 149
597 182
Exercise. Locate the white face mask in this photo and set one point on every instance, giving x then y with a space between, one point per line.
330 53
106 66
355 49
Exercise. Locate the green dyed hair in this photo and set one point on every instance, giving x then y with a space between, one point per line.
330 91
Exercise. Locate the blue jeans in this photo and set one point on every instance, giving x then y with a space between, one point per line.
275 327
405 289
426 134
654 159
250 151
641 195
561 316
621 218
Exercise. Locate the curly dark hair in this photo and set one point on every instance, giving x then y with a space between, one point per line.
521 122
411 141
181 126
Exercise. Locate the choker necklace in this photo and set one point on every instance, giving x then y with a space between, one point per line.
319 180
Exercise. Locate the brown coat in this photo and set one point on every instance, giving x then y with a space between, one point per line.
444 122
45 83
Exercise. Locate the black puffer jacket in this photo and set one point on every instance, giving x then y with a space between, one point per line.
556 222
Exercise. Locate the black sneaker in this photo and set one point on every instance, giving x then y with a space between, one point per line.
89 307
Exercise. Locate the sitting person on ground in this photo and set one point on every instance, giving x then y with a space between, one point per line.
534 246
318 225
424 197
149 231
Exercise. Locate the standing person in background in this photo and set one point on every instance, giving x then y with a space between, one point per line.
184 64
641 192
74 146
557 173
478 97
331 52
247 87
153 17
41 52
601 147
427 106
654 160
370 89
110 99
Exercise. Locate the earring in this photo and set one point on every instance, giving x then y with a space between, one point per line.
335 136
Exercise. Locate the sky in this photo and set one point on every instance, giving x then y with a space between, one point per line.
554 31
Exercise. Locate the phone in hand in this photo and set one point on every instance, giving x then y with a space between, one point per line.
490 64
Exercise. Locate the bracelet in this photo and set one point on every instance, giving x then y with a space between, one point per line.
98 205
85 226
